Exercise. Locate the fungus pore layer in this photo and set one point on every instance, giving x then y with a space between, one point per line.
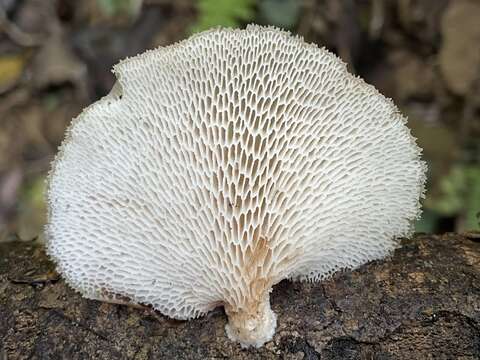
223 164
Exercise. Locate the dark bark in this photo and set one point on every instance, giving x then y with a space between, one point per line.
423 302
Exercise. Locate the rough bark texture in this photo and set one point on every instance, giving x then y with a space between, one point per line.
422 303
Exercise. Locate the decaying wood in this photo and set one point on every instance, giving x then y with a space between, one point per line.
424 302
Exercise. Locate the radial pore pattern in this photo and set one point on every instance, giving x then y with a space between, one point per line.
223 164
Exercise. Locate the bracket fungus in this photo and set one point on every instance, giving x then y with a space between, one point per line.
223 164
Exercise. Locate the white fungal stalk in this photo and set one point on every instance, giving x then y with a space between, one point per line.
223 164
252 325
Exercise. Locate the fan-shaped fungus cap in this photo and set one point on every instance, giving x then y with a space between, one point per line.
223 164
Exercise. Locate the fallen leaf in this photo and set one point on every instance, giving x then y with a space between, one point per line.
11 69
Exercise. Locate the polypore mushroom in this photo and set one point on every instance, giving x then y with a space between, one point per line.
223 164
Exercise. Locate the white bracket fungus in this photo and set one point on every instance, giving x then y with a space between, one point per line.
223 164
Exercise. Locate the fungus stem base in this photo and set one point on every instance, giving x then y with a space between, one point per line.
253 326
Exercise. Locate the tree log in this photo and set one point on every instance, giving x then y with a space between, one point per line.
423 302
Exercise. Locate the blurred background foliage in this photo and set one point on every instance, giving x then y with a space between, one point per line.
56 55
228 13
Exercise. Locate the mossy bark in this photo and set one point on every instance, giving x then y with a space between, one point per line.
423 302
